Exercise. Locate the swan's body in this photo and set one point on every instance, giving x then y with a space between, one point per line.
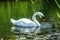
27 25
25 22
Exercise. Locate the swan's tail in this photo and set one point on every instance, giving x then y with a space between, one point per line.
13 21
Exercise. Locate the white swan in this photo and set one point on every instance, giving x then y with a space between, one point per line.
27 23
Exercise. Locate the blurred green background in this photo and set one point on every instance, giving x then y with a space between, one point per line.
24 9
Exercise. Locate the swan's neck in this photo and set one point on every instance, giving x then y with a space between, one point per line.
34 17
35 20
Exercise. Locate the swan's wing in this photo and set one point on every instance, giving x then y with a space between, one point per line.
25 22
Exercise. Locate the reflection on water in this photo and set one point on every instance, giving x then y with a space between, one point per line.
46 26
24 33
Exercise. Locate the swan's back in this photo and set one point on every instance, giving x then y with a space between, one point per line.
25 22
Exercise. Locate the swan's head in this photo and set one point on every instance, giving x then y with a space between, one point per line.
40 14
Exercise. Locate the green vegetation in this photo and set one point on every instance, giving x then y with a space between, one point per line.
20 9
